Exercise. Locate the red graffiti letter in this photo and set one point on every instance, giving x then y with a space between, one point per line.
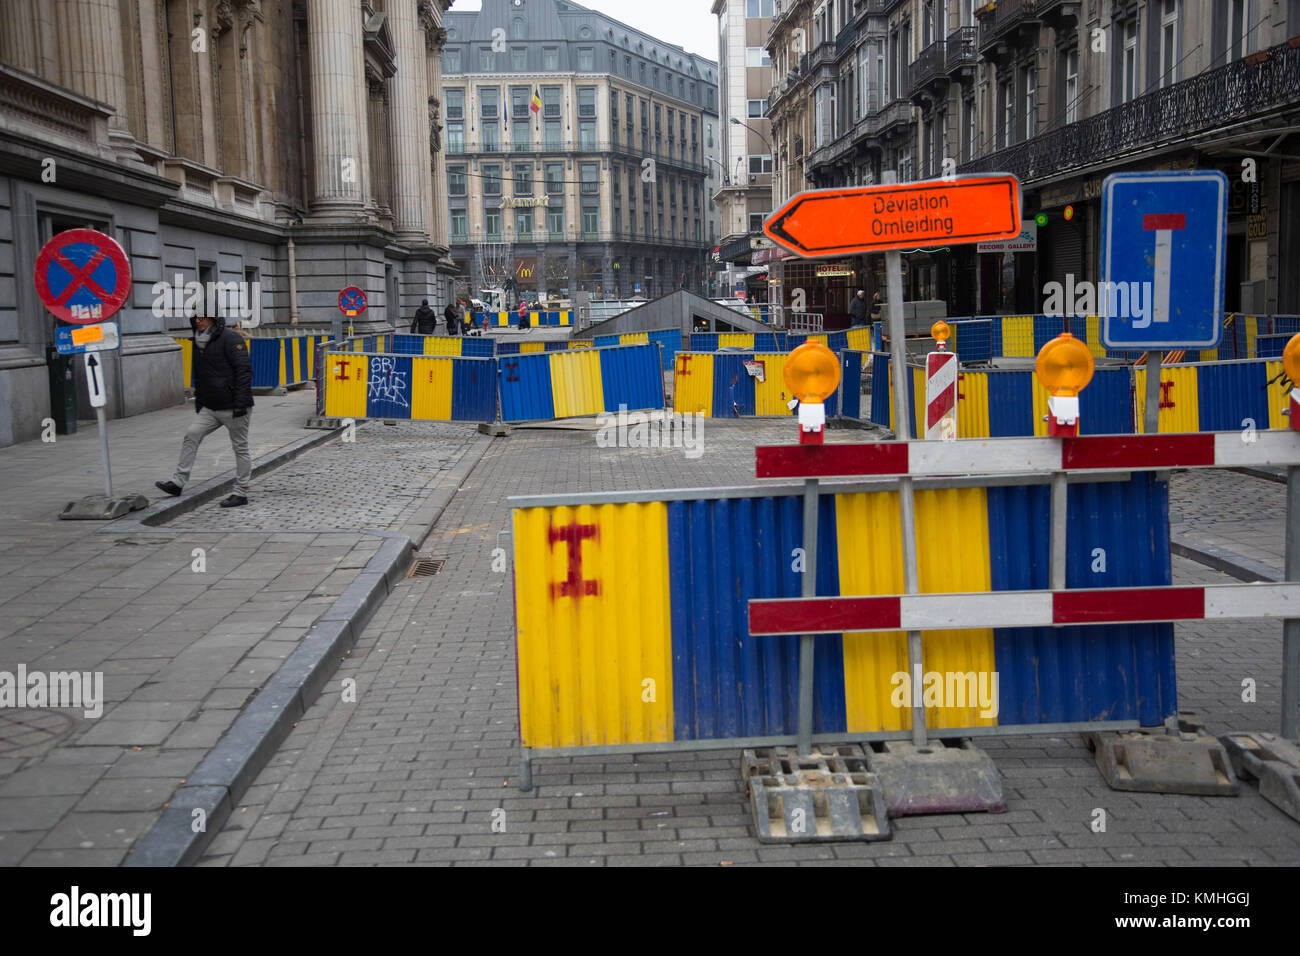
573 535
341 371
1165 400
682 362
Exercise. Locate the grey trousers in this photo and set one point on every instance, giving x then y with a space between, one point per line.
206 422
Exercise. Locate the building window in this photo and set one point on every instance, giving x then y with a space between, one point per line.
487 60
523 179
760 163
459 224
518 59
586 102
550 58
586 60
1072 85
589 174
967 130
756 108
552 132
456 183
523 224
450 61
758 8
1129 66
551 102
1168 42
756 221
757 56
518 29
555 225
1029 83
489 98
590 222
1008 96
491 179
587 135
1238 29
492 225
709 135
455 100
554 178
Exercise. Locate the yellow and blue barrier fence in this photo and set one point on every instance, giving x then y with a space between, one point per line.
718 385
537 318
277 361
1002 403
632 627
409 387
669 341
467 346
576 382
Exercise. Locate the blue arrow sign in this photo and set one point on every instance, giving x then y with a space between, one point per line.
1163 245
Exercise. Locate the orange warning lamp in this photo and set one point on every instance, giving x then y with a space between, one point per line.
812 373
940 332
1064 366
1291 364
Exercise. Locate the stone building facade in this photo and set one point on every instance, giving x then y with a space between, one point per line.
605 186
294 146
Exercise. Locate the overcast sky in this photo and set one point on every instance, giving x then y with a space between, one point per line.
688 23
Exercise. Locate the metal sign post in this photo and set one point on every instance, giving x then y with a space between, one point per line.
84 277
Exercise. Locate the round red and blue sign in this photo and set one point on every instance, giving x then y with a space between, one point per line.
352 301
82 276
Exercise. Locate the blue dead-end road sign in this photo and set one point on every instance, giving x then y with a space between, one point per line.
1163 245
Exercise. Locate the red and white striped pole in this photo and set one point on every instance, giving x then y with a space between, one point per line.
941 387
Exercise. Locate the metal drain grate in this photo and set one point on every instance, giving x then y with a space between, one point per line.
425 567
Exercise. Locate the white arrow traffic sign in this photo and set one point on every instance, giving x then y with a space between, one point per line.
95 381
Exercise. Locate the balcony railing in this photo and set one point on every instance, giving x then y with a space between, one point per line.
845 39
962 49
1202 104
503 151
1007 15
928 65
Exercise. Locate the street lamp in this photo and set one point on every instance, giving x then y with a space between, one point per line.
756 133
726 180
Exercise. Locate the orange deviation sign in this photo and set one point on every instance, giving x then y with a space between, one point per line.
838 222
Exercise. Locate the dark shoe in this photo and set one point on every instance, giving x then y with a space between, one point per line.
170 487
234 501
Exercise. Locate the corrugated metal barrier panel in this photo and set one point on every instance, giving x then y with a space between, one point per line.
576 386
645 603
850 384
860 339
568 383
430 388
693 383
526 388
753 341
1118 537
630 376
1179 399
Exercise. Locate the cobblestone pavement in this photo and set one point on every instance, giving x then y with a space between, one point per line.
181 650
1231 510
411 772
376 481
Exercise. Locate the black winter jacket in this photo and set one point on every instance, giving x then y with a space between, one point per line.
425 321
223 373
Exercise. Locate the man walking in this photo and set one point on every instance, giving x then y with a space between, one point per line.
452 315
223 397
858 309
425 322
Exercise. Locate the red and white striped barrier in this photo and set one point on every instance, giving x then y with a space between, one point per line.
989 456
941 395
984 609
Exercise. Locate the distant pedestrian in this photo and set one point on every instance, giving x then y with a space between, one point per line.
452 315
858 309
876 306
425 322
523 313
223 397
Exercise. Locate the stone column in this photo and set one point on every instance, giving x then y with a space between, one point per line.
409 137
334 38
90 57
435 36
380 144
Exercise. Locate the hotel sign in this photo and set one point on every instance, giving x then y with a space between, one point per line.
508 202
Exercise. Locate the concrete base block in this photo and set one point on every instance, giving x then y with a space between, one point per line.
1272 760
1160 762
827 795
102 507
938 778
495 429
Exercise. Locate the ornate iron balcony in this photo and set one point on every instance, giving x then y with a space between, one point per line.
928 65
1006 16
962 49
1202 104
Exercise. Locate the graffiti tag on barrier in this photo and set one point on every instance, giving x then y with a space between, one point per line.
386 383
574 585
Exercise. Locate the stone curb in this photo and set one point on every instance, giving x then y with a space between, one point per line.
1221 559
229 769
